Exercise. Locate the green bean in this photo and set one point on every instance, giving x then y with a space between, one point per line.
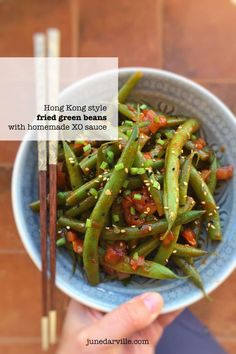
164 252
184 179
152 182
203 193
88 162
61 242
149 179
128 86
212 178
158 164
146 247
101 209
123 109
149 269
82 192
173 121
188 251
61 200
74 172
74 224
172 164
84 205
148 229
202 154
190 271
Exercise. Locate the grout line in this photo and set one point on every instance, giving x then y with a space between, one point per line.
75 26
7 165
160 6
19 340
12 251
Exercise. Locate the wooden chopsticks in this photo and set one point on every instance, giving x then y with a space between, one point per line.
47 88
53 90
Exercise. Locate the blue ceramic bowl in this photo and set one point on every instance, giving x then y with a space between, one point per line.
173 94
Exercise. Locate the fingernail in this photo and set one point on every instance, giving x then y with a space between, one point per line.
153 302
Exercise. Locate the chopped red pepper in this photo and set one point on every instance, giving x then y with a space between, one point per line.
200 143
168 239
135 263
147 155
189 236
157 121
71 236
78 246
224 173
115 253
144 205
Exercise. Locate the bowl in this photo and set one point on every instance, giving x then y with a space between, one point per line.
172 94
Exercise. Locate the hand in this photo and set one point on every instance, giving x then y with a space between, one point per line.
138 319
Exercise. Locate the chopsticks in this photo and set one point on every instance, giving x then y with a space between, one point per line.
42 77
53 89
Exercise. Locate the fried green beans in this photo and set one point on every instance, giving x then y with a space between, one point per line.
208 203
99 213
172 166
141 204
149 270
75 175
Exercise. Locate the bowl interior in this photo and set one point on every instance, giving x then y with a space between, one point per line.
171 94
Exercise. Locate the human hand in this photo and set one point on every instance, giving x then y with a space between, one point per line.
138 319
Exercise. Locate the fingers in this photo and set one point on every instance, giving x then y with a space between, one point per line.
79 316
127 319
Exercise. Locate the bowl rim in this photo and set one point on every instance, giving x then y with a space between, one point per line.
18 215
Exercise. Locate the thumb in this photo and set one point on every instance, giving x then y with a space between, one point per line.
127 319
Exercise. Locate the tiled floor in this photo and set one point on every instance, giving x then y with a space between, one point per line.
194 38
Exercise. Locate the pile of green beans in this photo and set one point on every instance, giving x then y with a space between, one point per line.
137 206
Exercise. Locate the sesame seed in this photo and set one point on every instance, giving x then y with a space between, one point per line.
166 207
213 227
203 202
87 169
122 231
149 228
120 146
68 227
174 251
126 170
185 183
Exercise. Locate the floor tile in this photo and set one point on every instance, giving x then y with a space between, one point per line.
225 91
8 150
199 38
10 239
228 344
21 297
20 19
127 29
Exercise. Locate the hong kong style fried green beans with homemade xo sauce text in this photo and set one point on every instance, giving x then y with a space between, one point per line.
137 206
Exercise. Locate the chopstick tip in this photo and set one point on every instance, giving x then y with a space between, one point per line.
44 333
